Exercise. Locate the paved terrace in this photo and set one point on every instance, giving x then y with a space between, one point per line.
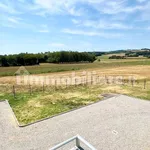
118 123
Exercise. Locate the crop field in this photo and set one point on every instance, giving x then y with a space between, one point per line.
32 102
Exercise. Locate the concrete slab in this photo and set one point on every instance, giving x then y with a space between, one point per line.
118 123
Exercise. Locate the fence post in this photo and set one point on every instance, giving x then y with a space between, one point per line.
13 91
91 79
107 80
86 81
30 89
43 87
137 81
132 82
145 84
122 81
75 81
66 83
55 85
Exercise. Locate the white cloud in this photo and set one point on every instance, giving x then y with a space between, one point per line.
75 21
10 21
101 24
118 6
103 6
58 6
92 33
14 20
145 14
74 12
112 8
72 7
8 8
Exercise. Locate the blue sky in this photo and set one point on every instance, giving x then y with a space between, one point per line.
83 25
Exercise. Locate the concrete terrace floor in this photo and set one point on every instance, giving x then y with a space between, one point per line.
118 123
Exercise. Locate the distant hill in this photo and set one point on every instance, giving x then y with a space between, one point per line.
128 52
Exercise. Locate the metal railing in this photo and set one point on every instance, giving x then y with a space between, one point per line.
78 139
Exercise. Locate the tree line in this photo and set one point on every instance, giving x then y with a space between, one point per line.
145 53
117 57
26 59
66 57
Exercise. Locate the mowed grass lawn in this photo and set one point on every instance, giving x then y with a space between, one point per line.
30 108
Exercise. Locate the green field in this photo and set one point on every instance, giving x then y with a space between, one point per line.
54 100
50 68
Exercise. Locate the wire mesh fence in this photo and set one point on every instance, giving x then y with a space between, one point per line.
29 89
